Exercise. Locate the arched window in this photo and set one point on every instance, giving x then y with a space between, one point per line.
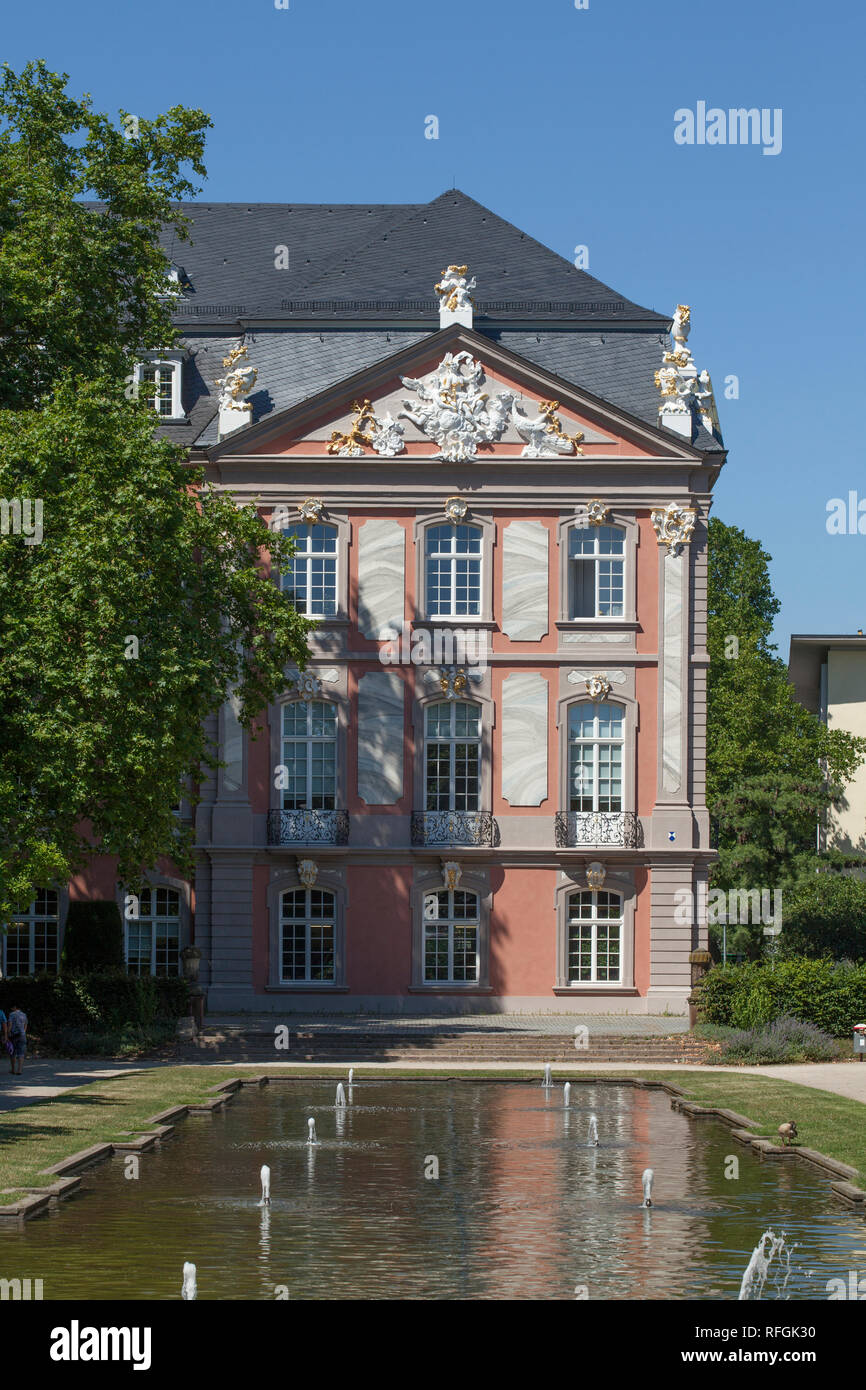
310 578
453 571
594 937
153 938
450 937
307 918
595 744
309 755
32 938
596 572
452 756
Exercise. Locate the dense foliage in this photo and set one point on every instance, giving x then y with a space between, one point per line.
93 938
752 995
94 1002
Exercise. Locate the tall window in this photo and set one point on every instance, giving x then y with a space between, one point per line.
307 935
311 577
450 937
453 571
596 565
453 756
310 755
153 940
595 743
594 937
32 939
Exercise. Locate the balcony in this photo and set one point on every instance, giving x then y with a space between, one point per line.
595 829
308 827
454 828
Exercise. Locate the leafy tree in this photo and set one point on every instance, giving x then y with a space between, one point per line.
93 938
148 599
772 767
826 916
82 288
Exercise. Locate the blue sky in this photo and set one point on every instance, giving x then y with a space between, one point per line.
562 120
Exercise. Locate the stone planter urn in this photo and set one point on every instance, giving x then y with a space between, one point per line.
192 957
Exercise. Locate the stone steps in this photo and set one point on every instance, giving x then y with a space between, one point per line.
324 1047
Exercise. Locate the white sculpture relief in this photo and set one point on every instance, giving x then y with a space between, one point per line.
453 288
598 683
311 509
308 872
452 873
596 512
673 526
544 436
453 680
456 509
684 391
595 874
237 383
308 684
387 436
452 409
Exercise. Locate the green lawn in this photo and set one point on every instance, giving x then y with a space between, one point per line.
36 1136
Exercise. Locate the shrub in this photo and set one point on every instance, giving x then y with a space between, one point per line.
825 916
787 1040
751 996
103 1000
93 939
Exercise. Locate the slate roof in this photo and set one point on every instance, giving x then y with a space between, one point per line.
360 286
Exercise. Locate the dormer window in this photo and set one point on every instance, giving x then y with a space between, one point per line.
162 375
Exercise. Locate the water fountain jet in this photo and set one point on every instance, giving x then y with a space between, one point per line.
566 1093
188 1292
647 1184
266 1186
592 1133
341 1095
548 1077
755 1276
311 1127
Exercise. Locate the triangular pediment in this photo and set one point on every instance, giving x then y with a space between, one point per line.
456 397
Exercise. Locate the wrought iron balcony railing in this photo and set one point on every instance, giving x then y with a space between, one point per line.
308 827
596 828
454 828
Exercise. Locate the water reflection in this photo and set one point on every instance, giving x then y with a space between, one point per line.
516 1205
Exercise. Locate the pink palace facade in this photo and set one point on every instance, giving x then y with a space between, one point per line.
486 792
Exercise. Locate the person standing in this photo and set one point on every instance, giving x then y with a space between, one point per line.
17 1026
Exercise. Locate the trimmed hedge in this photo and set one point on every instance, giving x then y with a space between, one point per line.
93 939
100 1001
830 995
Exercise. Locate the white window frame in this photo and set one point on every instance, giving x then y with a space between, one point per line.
309 741
452 922
172 362
451 741
309 920
309 555
153 918
597 559
454 555
594 922
31 919
596 742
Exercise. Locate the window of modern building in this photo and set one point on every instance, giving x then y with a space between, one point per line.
153 939
307 921
596 572
32 941
452 756
595 757
453 571
595 921
310 578
309 755
451 924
